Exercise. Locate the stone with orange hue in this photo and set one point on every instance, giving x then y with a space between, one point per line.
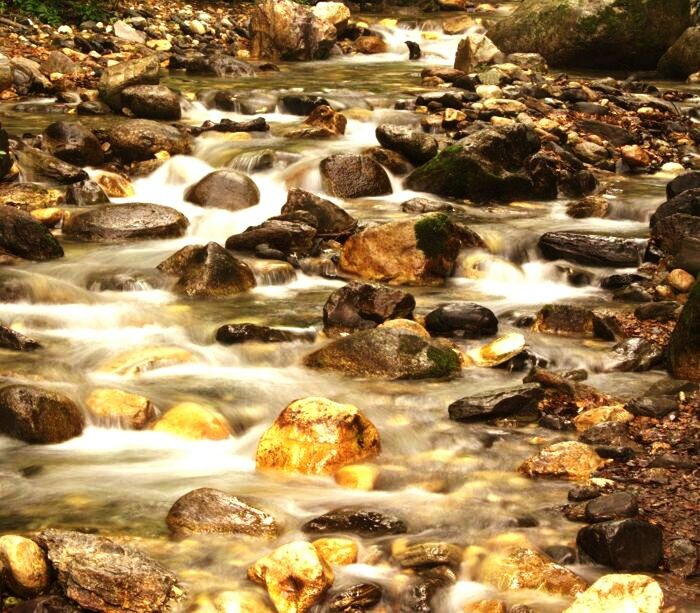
194 421
337 551
599 415
615 593
566 460
127 409
23 566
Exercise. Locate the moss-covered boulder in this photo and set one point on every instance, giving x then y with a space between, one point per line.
594 33
387 353
683 58
487 165
409 252
684 346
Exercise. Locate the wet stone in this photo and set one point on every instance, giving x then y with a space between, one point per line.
234 334
356 598
625 545
16 341
495 404
611 506
364 523
463 320
429 554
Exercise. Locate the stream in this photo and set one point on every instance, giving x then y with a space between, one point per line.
454 482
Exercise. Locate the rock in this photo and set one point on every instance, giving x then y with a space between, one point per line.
301 104
152 102
86 193
425 205
128 33
133 363
115 185
487 165
331 220
282 29
217 65
567 460
594 34
680 280
634 355
424 555
591 206
337 551
38 165
210 511
675 226
414 50
564 320
28 78
591 250
238 601
335 13
682 557
140 139
286 233
475 50
358 597
36 415
16 341
323 122
29 196
193 421
353 176
663 311
526 569
652 406
359 306
612 506
93 108
23 566
386 354
127 409
495 404
419 251
391 160
234 334
417 147
625 544
317 436
121 222
682 183
684 345
46 604
224 189
295 575
208 271
497 352
370 44
73 143
683 57
101 575
613 593
367 524
116 78
597 415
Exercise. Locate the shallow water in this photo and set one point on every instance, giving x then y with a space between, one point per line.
461 481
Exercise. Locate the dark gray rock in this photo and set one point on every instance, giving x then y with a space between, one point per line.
611 506
591 250
235 334
73 143
417 147
498 403
152 102
15 341
354 176
331 220
224 189
21 235
461 319
361 522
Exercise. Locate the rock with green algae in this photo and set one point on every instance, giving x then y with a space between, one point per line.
684 346
386 353
594 33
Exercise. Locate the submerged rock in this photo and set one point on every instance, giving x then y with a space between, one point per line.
295 575
386 353
353 176
592 34
337 551
425 555
410 252
224 189
496 404
101 575
193 421
23 566
684 346
138 361
234 334
36 415
208 271
634 355
364 523
591 250
614 593
358 597
567 460
359 306
127 409
626 544
209 511
317 436
16 341
119 222
564 320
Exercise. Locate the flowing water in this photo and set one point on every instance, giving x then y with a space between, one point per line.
454 482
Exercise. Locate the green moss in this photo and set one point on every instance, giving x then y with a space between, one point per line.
432 234
445 361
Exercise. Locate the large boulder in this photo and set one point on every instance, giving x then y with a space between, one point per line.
331 220
118 222
208 271
317 436
101 575
419 251
475 50
683 58
23 236
140 139
591 249
614 593
358 306
684 346
36 415
116 78
283 29
353 176
209 511
624 544
152 102
417 147
295 575
675 228
594 33
487 165
224 189
386 353
5 157
72 142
